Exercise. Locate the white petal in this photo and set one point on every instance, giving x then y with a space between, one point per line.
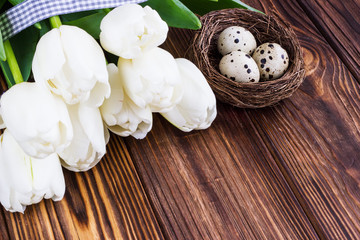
13 161
49 57
176 118
122 116
88 145
119 33
133 121
130 29
72 64
91 121
36 119
113 104
152 79
2 124
155 27
48 178
25 180
86 61
197 108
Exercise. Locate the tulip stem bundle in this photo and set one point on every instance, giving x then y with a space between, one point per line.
13 64
55 22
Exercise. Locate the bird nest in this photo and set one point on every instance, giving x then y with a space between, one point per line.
265 28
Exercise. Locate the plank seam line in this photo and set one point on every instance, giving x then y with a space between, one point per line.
291 184
6 223
129 165
147 195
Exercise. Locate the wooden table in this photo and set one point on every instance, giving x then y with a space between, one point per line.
286 172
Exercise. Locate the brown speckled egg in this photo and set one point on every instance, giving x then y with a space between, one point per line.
240 67
236 38
272 60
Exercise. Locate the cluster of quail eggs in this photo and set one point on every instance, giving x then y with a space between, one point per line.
242 61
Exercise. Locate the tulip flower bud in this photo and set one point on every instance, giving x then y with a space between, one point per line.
72 65
120 113
38 120
128 30
152 79
25 180
197 108
89 143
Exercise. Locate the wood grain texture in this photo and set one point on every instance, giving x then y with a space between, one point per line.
107 202
314 136
4 233
339 23
221 173
217 184
287 172
221 183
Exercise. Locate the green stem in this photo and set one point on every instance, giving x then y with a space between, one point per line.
107 10
13 64
38 25
55 22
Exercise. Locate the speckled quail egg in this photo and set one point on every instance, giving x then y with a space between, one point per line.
272 60
239 66
236 38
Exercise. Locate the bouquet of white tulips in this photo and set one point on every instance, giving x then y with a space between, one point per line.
62 118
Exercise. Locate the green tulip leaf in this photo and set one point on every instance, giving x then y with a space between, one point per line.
77 15
2 2
15 2
24 45
90 23
175 13
2 50
7 73
45 27
202 7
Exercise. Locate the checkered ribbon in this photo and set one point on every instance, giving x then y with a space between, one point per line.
30 12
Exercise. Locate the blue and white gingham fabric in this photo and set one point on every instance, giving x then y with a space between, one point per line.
30 12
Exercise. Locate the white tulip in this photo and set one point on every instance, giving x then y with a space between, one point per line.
2 124
38 120
129 29
119 112
152 79
197 108
89 143
72 65
25 180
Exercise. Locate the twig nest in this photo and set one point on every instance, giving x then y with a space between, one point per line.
266 29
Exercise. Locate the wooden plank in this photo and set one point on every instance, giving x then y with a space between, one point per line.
217 184
221 183
106 202
339 23
314 136
235 179
4 233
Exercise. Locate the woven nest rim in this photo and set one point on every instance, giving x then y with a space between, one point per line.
265 28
